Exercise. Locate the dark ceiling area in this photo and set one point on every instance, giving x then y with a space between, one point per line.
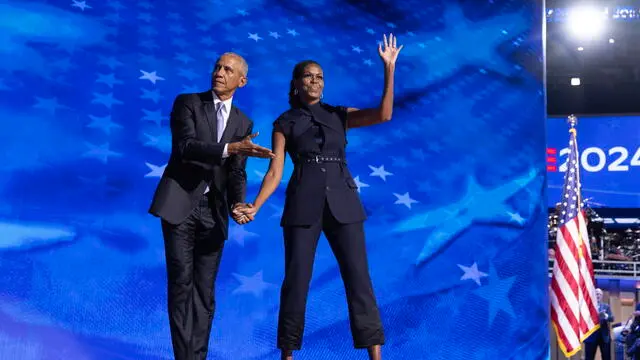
603 52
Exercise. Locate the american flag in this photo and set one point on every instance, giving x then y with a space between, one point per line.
573 301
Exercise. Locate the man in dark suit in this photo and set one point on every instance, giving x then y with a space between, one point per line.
601 337
205 179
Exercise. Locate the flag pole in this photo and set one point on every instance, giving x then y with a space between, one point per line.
573 122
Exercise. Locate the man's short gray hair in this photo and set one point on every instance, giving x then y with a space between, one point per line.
243 63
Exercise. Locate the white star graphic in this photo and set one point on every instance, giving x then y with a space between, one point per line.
105 99
274 34
255 37
154 116
405 200
251 284
103 123
151 76
80 5
496 292
516 217
472 273
380 172
292 32
108 79
156 171
359 183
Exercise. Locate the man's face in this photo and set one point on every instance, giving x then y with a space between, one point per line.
599 295
228 75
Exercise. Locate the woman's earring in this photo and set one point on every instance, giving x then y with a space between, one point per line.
295 91
321 96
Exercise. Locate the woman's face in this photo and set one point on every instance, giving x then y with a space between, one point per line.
311 84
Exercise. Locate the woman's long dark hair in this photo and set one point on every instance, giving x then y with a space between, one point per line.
298 70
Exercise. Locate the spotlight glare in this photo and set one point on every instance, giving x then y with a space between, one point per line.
575 81
586 22
580 48
611 41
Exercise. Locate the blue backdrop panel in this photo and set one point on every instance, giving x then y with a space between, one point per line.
609 159
454 185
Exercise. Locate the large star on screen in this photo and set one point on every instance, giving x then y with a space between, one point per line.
496 293
463 43
477 205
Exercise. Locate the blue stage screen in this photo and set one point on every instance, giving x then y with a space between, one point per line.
453 186
609 157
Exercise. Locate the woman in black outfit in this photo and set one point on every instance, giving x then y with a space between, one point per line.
322 196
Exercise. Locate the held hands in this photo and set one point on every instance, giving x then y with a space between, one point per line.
389 54
248 148
243 213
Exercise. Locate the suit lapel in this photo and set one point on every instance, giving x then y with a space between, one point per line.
232 125
210 112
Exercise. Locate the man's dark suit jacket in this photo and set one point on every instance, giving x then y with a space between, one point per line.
603 332
196 162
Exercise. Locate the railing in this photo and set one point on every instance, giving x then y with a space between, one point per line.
612 269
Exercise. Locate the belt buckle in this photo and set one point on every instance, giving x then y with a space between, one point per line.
317 159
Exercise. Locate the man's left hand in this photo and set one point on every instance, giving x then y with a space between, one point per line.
242 214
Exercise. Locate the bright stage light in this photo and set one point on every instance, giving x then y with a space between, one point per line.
586 22
575 81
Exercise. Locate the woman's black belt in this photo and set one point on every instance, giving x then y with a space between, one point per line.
320 158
